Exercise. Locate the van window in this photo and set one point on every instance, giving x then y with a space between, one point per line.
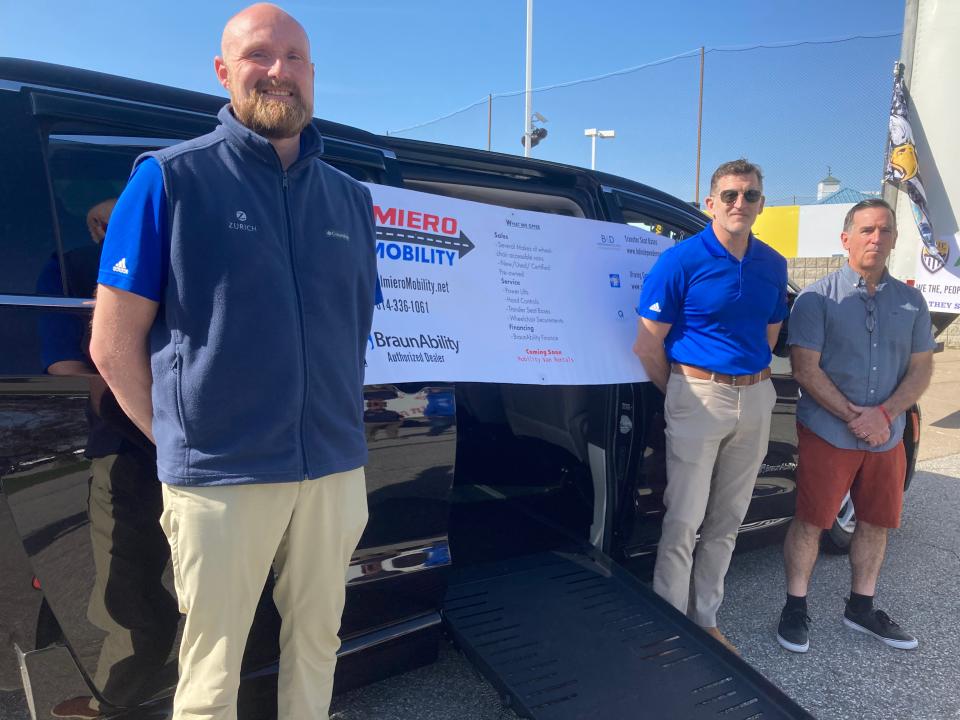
87 174
504 197
357 172
651 224
652 214
27 239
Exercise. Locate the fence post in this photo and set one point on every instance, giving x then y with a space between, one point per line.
696 188
489 118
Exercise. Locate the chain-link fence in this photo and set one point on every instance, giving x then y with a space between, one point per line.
796 109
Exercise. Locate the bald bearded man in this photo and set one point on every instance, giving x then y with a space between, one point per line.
236 292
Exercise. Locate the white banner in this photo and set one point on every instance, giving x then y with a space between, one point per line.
477 292
938 281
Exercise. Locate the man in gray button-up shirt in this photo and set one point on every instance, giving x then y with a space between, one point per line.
862 352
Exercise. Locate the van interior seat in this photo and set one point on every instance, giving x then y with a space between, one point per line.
554 413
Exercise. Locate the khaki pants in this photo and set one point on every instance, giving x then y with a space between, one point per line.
716 439
223 540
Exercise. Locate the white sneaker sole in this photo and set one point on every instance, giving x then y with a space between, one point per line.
793 647
898 644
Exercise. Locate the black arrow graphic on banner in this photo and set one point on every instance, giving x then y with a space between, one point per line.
462 244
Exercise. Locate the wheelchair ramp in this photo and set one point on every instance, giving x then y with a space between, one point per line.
566 635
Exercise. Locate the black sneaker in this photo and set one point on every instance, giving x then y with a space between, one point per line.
793 630
879 624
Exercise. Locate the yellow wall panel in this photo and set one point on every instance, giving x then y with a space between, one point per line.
779 227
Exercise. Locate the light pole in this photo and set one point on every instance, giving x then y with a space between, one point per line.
593 134
528 92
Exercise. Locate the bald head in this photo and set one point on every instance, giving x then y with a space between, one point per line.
256 16
265 66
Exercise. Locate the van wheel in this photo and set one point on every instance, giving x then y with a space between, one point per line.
836 540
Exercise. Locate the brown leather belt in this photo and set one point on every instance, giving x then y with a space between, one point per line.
722 378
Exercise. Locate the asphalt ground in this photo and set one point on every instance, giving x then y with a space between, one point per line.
940 406
845 675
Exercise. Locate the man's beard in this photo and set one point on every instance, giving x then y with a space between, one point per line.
271 118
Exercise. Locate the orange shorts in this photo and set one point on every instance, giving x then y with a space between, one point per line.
825 474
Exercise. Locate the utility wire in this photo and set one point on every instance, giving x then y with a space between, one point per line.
654 63
796 43
569 83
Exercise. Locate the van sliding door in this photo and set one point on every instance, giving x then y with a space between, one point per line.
638 446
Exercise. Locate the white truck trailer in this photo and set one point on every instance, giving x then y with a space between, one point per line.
931 67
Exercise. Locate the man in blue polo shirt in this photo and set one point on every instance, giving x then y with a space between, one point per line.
236 292
710 312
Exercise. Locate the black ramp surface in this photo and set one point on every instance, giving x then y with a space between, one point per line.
568 635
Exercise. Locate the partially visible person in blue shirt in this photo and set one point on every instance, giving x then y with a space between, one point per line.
440 409
710 313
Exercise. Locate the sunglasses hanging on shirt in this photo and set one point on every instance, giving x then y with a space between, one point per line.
871 306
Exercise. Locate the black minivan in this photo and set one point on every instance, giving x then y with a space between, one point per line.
508 515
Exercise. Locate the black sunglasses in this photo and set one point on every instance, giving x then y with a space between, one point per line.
730 196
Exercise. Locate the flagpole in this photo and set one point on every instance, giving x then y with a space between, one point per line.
903 67
903 169
888 191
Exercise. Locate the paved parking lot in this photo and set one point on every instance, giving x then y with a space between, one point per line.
845 675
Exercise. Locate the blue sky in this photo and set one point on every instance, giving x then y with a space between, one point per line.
388 65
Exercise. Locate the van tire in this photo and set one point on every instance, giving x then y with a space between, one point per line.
836 540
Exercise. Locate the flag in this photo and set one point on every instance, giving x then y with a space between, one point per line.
903 170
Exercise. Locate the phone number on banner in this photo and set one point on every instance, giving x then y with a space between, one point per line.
421 307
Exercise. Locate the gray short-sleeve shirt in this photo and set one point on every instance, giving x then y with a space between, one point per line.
833 317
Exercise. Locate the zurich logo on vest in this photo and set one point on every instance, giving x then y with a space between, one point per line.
241 223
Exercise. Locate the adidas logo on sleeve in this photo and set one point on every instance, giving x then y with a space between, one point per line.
121 267
654 308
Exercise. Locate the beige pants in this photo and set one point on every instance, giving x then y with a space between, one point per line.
223 541
716 439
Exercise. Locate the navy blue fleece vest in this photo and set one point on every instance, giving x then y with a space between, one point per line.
258 348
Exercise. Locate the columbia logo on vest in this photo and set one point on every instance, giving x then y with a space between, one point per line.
121 267
241 223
